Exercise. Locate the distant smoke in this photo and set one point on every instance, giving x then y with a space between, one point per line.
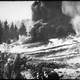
72 9
56 15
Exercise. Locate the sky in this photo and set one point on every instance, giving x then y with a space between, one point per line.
15 10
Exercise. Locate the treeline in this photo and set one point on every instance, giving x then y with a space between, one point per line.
10 32
40 32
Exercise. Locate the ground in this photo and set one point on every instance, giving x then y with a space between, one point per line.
64 53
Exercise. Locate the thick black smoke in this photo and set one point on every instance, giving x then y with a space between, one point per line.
47 10
51 13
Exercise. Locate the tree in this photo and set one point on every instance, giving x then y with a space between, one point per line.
22 30
6 32
12 31
16 33
1 32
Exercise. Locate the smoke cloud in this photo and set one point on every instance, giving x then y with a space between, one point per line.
54 14
72 9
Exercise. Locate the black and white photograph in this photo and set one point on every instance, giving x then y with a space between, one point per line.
40 40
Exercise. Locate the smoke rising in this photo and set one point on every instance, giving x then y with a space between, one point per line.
76 24
72 9
50 12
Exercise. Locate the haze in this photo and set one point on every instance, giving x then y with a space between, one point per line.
15 10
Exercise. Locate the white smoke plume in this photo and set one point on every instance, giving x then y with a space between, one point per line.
72 9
